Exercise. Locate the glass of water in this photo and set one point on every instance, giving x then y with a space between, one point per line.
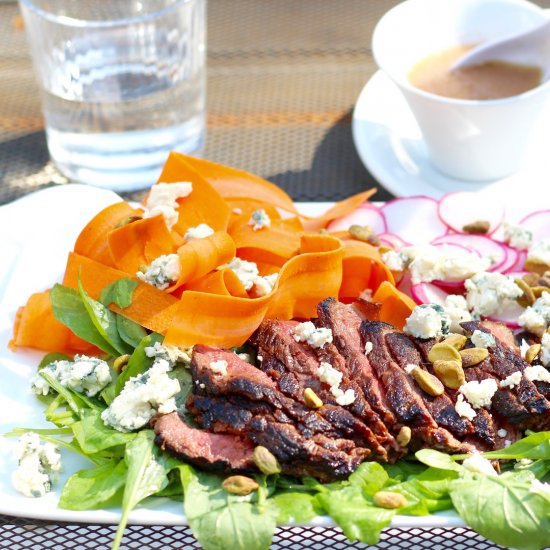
122 84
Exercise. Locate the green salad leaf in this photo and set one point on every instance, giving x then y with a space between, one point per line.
120 293
534 446
220 520
503 508
130 331
94 488
69 309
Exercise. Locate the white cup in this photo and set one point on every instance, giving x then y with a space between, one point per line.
471 140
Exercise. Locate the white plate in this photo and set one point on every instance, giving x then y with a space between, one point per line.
390 145
37 233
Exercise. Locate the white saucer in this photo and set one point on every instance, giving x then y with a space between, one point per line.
390 145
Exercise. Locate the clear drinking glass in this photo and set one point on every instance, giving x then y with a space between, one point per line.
122 83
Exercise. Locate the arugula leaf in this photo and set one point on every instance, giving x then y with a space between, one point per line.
94 488
294 507
93 436
69 309
503 508
130 331
138 362
535 446
105 322
437 459
147 474
220 520
120 293
351 506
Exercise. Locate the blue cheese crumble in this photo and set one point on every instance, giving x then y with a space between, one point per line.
143 396
463 408
172 354
163 271
536 318
85 374
537 373
517 236
479 465
487 293
38 466
201 231
479 394
247 272
427 321
512 380
456 308
545 351
163 200
482 339
315 337
539 252
259 220
329 375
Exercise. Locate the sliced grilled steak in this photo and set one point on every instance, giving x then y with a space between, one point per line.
523 406
344 322
441 407
405 397
294 366
217 452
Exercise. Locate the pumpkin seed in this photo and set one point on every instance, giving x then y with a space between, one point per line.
404 436
536 266
364 233
239 485
120 362
473 356
532 279
532 352
387 499
443 352
479 227
129 219
266 461
427 382
311 399
528 297
450 373
456 340
538 290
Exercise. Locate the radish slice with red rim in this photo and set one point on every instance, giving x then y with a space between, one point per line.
484 246
519 263
392 240
455 248
414 219
465 207
428 293
510 263
538 223
451 287
508 314
366 214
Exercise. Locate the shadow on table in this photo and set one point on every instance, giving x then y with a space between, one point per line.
336 171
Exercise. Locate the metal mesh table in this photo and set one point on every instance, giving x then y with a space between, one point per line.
283 77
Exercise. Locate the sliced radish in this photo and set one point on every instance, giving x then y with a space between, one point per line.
519 264
405 284
451 287
454 248
392 241
414 219
465 207
484 246
428 293
366 214
508 315
511 261
539 223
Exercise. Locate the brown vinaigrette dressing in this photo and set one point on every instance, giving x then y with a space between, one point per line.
490 80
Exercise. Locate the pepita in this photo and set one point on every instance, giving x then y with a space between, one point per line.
312 400
364 233
450 373
532 352
456 340
239 485
473 356
532 279
443 352
536 266
528 297
479 227
120 362
427 382
266 461
390 500
129 219
538 290
404 436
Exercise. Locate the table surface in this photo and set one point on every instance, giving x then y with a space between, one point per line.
283 77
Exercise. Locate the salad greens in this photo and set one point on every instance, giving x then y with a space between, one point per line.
512 508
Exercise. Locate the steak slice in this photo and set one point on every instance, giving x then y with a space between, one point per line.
294 366
523 406
405 397
217 452
344 322
441 407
